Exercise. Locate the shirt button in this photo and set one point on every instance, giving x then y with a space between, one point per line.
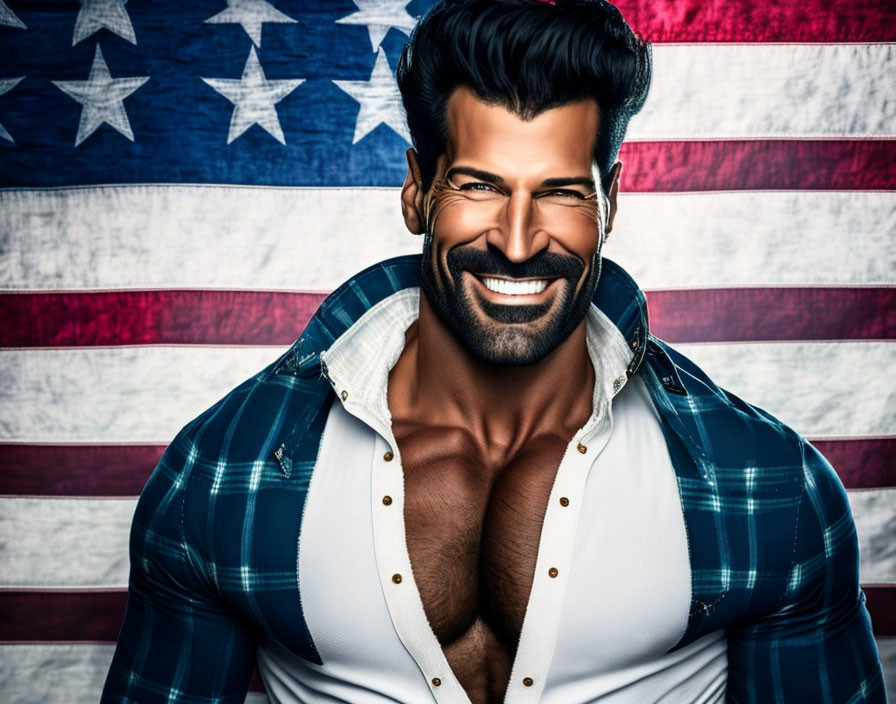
387 500
553 572
436 682
581 448
396 578
344 395
528 682
564 501
388 456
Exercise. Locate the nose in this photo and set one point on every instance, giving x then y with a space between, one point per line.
517 233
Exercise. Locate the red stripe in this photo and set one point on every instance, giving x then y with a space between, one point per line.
751 21
881 602
266 318
154 317
862 464
61 616
766 165
122 470
76 470
31 616
773 314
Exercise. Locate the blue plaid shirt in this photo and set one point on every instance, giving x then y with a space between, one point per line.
773 551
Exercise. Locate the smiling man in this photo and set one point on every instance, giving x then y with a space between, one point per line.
476 476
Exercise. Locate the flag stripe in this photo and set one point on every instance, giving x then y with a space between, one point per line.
746 21
76 470
145 394
795 382
881 601
276 318
769 165
861 463
92 551
122 470
750 91
193 237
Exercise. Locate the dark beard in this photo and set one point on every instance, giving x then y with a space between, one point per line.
504 340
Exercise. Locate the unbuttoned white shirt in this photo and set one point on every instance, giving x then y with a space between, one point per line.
612 584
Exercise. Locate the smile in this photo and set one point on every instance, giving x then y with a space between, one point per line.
514 288
509 287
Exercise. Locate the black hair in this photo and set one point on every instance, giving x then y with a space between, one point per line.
527 56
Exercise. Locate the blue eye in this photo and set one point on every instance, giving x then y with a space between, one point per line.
564 193
477 186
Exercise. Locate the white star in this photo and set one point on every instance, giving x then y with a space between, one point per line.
6 85
380 101
252 14
102 97
94 15
8 17
380 16
253 97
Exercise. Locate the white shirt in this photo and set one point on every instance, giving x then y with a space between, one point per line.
598 631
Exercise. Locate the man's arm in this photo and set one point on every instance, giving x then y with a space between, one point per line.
818 645
178 642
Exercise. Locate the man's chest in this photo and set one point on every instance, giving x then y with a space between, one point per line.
473 517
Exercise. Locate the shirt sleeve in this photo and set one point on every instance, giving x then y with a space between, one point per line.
178 641
817 646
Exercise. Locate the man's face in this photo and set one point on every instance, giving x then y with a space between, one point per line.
511 258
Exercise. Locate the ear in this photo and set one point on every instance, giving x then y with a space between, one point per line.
612 193
412 196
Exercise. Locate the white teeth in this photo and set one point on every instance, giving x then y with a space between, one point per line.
514 288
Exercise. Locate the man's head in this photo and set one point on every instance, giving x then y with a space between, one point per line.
516 109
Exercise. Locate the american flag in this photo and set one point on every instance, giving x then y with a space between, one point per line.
182 183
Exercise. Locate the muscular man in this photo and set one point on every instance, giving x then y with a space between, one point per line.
476 476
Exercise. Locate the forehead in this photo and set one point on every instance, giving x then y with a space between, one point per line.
492 136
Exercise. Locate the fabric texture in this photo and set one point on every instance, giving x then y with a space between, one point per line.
773 549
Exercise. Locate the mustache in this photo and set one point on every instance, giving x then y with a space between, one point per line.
544 265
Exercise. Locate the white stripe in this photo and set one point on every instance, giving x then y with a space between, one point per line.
820 389
785 238
874 511
124 394
146 394
71 543
126 237
718 91
61 673
65 543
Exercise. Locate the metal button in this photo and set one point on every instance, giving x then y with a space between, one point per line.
617 384
436 681
581 448
528 681
396 578
388 456
387 500
564 501
634 344
553 572
344 395
667 380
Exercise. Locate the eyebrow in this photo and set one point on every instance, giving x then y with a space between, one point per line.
489 177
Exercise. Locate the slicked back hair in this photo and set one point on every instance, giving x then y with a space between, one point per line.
527 56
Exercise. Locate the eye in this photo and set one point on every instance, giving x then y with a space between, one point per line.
478 186
562 193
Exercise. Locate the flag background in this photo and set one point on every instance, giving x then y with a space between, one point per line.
163 239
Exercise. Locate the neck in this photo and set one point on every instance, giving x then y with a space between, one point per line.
437 382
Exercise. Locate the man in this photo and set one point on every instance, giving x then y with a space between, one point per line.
465 482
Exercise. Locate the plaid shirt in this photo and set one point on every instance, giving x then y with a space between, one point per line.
773 551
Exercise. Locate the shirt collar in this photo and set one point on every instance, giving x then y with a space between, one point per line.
359 361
